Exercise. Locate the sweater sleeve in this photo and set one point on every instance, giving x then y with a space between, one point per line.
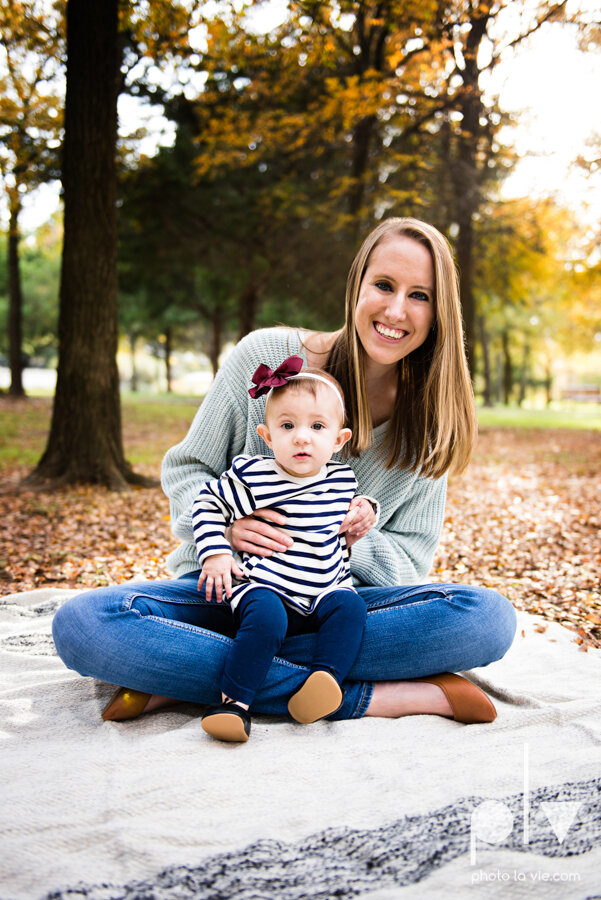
218 504
216 435
401 552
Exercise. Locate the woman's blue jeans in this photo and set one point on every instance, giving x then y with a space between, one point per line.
147 636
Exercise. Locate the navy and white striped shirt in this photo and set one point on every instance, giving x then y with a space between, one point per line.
314 507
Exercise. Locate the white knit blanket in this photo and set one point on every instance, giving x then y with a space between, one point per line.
414 807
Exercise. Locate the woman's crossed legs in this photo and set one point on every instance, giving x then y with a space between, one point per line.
158 638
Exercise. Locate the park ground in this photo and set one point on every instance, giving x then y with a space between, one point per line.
525 518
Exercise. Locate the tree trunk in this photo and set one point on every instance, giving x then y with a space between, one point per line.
548 385
15 306
499 378
361 143
168 349
215 345
468 169
247 310
484 343
507 370
524 374
85 441
465 255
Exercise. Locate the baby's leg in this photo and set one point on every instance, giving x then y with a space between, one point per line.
340 617
263 621
262 628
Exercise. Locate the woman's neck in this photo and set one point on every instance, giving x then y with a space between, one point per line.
381 381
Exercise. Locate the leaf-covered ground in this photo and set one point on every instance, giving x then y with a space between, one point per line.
524 519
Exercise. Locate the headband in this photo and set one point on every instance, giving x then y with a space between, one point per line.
265 379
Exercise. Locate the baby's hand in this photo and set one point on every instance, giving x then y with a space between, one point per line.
358 520
217 573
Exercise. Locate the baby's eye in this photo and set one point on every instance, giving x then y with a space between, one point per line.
383 285
287 425
317 426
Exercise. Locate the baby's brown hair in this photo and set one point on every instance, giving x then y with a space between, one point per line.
309 385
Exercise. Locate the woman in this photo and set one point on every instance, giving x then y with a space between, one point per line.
400 359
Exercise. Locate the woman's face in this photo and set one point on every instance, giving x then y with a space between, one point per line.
395 310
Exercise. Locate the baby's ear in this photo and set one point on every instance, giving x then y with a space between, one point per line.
344 435
263 431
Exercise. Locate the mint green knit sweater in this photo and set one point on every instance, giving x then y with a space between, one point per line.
399 550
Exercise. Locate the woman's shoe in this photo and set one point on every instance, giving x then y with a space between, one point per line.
125 704
469 704
319 696
227 722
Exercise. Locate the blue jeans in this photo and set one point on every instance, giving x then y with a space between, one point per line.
264 621
146 636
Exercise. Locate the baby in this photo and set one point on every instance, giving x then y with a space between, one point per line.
270 596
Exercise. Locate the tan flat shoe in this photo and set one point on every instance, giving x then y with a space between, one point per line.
319 696
125 704
227 722
469 704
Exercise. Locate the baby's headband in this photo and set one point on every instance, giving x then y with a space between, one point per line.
265 379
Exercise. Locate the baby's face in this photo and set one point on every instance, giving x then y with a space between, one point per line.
304 431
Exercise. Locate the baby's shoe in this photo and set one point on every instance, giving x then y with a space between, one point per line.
319 696
227 722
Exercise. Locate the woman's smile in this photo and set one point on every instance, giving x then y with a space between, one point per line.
386 331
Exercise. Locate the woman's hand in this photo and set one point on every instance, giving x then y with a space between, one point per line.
251 535
358 520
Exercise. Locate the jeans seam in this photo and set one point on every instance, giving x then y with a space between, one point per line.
185 626
436 593
396 604
129 599
364 700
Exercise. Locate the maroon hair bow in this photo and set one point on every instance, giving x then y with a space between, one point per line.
265 379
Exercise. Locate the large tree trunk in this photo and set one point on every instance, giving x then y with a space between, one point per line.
85 442
15 306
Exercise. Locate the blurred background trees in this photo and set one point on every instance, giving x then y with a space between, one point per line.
288 144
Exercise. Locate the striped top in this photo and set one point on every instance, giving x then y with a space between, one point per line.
314 507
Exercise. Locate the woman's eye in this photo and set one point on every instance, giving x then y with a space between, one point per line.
383 286
420 295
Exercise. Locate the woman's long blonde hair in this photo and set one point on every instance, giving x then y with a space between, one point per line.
433 425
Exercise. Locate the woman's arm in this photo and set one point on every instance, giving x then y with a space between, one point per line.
402 550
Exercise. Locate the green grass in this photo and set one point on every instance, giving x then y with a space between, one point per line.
152 423
580 416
